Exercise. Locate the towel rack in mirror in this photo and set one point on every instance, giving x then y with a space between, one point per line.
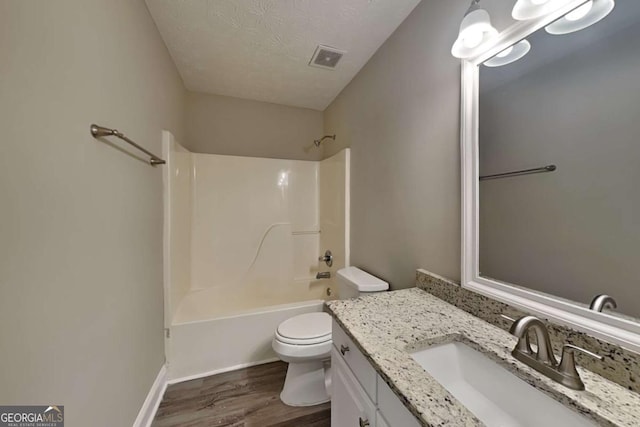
549 168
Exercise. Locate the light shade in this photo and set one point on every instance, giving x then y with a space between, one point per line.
510 54
531 9
475 30
582 17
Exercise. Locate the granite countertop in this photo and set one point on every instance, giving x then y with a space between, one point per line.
387 325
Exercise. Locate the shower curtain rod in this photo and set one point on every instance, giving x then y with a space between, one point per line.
99 131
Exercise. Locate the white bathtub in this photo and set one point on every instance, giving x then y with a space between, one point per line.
209 338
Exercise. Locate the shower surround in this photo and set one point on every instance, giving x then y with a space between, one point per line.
242 241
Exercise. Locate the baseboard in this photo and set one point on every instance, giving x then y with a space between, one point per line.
154 397
152 402
221 371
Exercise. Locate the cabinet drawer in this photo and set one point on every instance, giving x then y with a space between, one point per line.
359 365
395 413
350 405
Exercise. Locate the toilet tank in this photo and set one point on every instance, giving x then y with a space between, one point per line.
353 282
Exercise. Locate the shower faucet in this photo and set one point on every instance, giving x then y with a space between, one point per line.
323 275
317 142
327 258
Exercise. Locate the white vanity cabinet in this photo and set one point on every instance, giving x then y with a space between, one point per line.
350 405
359 397
391 410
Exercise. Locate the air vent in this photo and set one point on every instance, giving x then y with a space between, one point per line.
326 57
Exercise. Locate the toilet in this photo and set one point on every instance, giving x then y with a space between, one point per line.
304 342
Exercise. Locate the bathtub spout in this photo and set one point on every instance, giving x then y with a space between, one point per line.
323 275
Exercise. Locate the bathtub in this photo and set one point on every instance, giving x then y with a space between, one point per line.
217 330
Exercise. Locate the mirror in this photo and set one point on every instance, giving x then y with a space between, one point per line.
571 109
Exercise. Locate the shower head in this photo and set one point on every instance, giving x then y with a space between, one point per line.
317 142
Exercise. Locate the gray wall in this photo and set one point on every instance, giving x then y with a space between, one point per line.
575 232
218 124
81 221
400 116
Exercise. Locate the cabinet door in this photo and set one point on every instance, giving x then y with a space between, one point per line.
350 405
392 409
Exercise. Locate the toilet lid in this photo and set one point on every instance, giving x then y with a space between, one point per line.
304 328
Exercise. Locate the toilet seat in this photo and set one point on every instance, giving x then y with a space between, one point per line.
310 341
305 329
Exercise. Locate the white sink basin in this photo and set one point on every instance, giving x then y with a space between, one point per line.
494 395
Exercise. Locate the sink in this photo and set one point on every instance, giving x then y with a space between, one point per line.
494 395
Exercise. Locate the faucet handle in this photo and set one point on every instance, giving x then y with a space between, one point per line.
327 258
511 319
569 348
567 366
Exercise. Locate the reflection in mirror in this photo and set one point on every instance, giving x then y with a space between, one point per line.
572 102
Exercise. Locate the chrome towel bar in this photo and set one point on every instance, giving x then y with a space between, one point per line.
99 131
543 169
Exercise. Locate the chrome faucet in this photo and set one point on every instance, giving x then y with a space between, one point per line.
323 275
520 329
603 301
543 360
327 258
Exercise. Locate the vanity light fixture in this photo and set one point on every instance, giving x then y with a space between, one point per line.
531 9
581 17
510 54
475 30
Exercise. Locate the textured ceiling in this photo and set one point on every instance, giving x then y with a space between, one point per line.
260 49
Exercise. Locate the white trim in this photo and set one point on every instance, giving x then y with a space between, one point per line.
152 402
347 207
167 142
221 371
610 328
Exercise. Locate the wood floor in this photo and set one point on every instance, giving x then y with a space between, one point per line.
245 398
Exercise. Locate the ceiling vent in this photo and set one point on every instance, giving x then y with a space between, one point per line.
326 57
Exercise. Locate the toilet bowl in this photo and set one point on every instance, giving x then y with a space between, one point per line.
304 341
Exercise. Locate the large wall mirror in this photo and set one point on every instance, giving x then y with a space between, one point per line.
552 180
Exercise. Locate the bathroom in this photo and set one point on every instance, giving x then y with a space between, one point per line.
162 291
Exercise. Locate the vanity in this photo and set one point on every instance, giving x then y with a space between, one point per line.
379 380
360 397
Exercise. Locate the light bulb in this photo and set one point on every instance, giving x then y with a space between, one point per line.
524 10
475 29
583 17
580 12
505 52
510 54
473 39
